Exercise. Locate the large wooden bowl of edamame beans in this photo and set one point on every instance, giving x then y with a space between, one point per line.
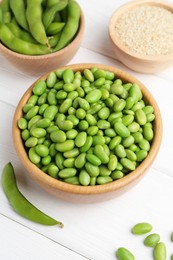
87 132
38 36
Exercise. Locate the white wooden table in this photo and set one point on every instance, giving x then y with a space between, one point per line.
92 231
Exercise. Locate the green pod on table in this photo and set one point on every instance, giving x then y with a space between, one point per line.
19 203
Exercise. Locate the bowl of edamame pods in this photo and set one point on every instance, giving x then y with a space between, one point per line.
138 37
87 132
37 36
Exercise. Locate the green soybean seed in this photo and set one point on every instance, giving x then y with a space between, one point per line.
140 117
84 178
66 173
121 129
112 164
93 96
92 169
33 156
115 175
93 159
151 240
38 132
88 75
22 123
53 171
39 88
58 136
141 228
69 163
31 141
72 180
80 160
68 76
124 254
100 153
80 139
65 146
103 180
160 251
42 150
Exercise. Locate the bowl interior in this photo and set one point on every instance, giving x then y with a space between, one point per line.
130 6
44 179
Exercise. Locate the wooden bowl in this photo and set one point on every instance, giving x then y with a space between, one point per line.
40 64
76 193
138 62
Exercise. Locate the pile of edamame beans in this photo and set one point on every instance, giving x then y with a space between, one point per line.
38 27
86 127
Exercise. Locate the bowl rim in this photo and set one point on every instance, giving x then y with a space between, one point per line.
130 5
62 51
41 177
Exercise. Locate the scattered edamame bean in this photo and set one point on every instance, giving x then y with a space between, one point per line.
124 254
141 228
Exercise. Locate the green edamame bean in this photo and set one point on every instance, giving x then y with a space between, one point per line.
59 159
104 113
42 99
160 251
92 170
140 117
144 145
22 123
148 132
19 203
31 141
25 134
112 164
120 151
88 75
138 137
124 254
83 125
58 136
103 124
131 155
114 142
87 144
33 156
52 128
93 159
32 112
150 117
39 88
84 178
53 171
65 105
92 130
72 153
66 173
100 153
103 180
135 92
121 129
43 123
80 113
69 163
128 164
134 127
141 155
148 109
115 175
71 134
141 228
71 26
50 112
34 19
128 141
51 80
91 119
27 107
104 171
93 96
65 146
119 105
72 180
151 240
80 139
80 160
127 119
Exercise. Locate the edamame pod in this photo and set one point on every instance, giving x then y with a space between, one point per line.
19 203
18 9
71 26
